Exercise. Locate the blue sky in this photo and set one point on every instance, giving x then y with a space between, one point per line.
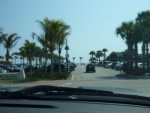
92 22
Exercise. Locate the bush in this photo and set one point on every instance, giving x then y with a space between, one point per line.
47 75
138 72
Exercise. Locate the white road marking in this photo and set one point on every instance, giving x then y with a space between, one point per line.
72 78
64 84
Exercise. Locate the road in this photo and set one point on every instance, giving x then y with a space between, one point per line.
103 78
108 78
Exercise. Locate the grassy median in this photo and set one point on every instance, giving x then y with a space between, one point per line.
40 76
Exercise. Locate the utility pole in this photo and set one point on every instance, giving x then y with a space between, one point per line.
67 55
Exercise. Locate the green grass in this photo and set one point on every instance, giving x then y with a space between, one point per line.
39 76
21 80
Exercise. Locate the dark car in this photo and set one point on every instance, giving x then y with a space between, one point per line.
113 65
15 68
56 67
90 68
8 68
72 66
118 66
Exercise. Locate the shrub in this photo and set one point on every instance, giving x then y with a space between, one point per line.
139 72
47 75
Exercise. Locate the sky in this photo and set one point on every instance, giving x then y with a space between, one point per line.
92 22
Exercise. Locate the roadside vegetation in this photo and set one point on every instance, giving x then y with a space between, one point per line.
132 33
52 38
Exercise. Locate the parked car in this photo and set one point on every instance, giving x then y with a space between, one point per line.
113 65
25 66
15 66
2 70
8 68
108 65
56 67
90 68
118 66
72 63
72 66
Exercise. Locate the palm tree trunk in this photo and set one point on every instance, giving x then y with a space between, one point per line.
30 62
104 60
46 64
128 59
147 59
131 58
51 52
7 56
39 62
59 52
23 62
143 51
136 56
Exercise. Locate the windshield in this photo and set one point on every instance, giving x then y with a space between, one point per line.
96 44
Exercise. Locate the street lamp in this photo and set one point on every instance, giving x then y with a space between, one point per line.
67 55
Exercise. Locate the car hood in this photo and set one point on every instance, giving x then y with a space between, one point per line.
112 89
120 90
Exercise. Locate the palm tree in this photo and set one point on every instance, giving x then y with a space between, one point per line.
61 34
80 59
126 33
98 55
9 41
92 53
44 52
30 49
50 31
137 34
61 40
22 53
143 19
92 59
104 51
15 54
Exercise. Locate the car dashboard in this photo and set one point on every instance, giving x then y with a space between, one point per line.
62 106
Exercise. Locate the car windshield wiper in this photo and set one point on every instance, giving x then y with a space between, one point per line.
51 90
45 92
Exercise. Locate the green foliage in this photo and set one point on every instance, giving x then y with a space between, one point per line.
92 53
112 56
46 75
139 72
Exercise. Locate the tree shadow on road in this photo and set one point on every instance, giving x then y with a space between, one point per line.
125 77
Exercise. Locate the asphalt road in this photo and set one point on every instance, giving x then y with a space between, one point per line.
103 78
109 78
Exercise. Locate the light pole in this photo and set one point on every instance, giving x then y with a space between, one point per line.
67 55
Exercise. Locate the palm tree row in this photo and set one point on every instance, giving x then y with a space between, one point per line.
97 55
8 41
54 33
134 32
